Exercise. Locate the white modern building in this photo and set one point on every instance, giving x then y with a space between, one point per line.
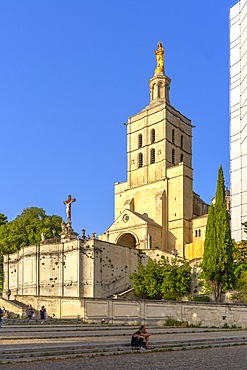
238 118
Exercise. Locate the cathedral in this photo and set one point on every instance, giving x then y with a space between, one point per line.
156 207
156 213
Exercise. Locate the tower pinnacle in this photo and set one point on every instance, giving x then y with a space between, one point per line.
159 83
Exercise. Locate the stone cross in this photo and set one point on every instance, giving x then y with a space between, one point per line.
68 207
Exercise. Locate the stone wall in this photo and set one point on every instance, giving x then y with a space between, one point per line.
94 268
116 311
45 269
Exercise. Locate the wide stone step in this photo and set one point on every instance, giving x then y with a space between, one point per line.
44 352
70 331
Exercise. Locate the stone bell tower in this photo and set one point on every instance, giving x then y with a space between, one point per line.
159 136
154 207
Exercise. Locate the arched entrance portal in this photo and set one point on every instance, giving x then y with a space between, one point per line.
127 240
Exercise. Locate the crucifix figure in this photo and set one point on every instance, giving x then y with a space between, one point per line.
68 207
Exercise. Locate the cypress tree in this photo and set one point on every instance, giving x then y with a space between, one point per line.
218 247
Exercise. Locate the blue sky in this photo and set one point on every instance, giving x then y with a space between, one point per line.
73 71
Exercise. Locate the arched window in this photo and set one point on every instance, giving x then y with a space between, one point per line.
140 160
152 156
159 90
153 91
182 141
181 157
173 136
140 141
198 233
152 135
173 156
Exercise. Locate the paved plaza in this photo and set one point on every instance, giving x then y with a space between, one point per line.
200 359
74 345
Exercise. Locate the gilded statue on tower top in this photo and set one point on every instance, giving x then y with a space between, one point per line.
159 58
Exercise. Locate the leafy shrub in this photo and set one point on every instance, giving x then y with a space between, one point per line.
200 298
161 279
238 297
170 297
172 322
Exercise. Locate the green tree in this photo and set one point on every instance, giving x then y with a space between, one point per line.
148 280
240 270
160 279
241 287
26 230
239 260
240 255
3 219
176 278
217 261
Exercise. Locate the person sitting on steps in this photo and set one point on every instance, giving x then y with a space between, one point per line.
140 338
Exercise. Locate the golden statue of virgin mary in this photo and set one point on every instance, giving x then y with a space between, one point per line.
159 58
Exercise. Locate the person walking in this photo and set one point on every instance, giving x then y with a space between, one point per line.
1 316
43 314
30 312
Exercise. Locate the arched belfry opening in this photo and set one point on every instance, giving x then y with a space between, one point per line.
127 240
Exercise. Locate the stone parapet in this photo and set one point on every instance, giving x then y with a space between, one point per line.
117 311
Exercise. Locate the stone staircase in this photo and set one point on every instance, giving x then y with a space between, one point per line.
64 339
14 308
